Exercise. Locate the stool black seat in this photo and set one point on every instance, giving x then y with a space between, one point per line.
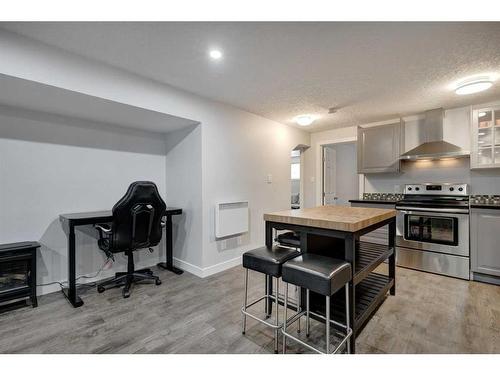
291 239
323 275
268 261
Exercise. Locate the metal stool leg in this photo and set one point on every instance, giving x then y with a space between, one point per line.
276 331
266 308
245 298
285 317
347 320
327 323
308 323
299 306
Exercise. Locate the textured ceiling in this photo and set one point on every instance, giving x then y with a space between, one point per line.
370 71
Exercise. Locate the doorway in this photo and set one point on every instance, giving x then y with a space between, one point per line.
339 173
295 175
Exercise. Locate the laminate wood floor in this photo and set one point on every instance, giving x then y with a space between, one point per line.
186 314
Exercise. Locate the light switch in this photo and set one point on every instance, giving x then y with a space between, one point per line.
269 179
312 179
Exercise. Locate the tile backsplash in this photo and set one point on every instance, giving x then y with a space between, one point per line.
451 170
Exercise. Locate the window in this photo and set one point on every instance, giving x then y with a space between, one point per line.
295 171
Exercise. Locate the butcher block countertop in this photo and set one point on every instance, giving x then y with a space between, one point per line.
344 218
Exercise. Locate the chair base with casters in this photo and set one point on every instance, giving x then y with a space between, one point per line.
325 276
269 262
126 279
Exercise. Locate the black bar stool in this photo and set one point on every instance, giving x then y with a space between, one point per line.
289 239
322 275
269 262
292 239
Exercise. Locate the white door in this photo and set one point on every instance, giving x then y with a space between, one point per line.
329 166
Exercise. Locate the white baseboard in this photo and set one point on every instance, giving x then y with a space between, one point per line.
188 267
207 271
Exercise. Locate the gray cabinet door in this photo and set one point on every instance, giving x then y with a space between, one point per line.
485 241
379 148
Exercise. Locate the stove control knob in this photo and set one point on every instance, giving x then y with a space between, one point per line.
460 189
410 188
417 188
452 188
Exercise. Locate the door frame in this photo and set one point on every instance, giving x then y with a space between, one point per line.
319 167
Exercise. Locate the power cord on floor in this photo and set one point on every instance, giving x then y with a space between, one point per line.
90 285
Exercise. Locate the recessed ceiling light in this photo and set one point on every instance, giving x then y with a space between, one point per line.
482 114
304 120
215 54
473 86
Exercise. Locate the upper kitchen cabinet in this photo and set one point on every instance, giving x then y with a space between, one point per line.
379 148
485 140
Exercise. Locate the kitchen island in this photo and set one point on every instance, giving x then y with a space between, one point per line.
335 231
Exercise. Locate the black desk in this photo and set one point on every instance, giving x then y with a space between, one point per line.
70 221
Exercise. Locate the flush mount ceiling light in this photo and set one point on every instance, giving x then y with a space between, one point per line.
482 114
215 54
473 86
304 120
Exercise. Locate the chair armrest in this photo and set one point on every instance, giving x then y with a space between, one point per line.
103 227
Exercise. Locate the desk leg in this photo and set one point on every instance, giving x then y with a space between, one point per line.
269 284
350 256
71 292
392 258
169 264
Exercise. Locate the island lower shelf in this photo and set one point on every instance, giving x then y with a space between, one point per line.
369 294
368 257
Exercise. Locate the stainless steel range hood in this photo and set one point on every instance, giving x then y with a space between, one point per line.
434 147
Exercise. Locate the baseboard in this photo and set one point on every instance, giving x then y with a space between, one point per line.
207 271
188 267
219 267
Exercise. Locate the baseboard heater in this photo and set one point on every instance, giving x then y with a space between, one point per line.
231 218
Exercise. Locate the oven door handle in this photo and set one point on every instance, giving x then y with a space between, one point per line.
446 210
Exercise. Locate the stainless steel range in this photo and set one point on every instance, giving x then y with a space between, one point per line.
433 229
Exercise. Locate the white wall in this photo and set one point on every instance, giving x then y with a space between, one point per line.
184 189
238 149
50 165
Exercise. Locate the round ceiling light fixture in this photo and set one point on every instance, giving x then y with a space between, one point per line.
304 120
215 54
482 114
473 86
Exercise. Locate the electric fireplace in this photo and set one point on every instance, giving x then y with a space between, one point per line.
18 273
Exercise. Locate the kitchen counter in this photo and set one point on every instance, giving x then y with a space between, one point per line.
343 218
335 231
375 201
486 206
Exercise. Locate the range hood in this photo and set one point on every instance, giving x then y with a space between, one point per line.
434 147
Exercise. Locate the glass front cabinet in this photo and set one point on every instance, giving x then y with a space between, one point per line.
485 138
